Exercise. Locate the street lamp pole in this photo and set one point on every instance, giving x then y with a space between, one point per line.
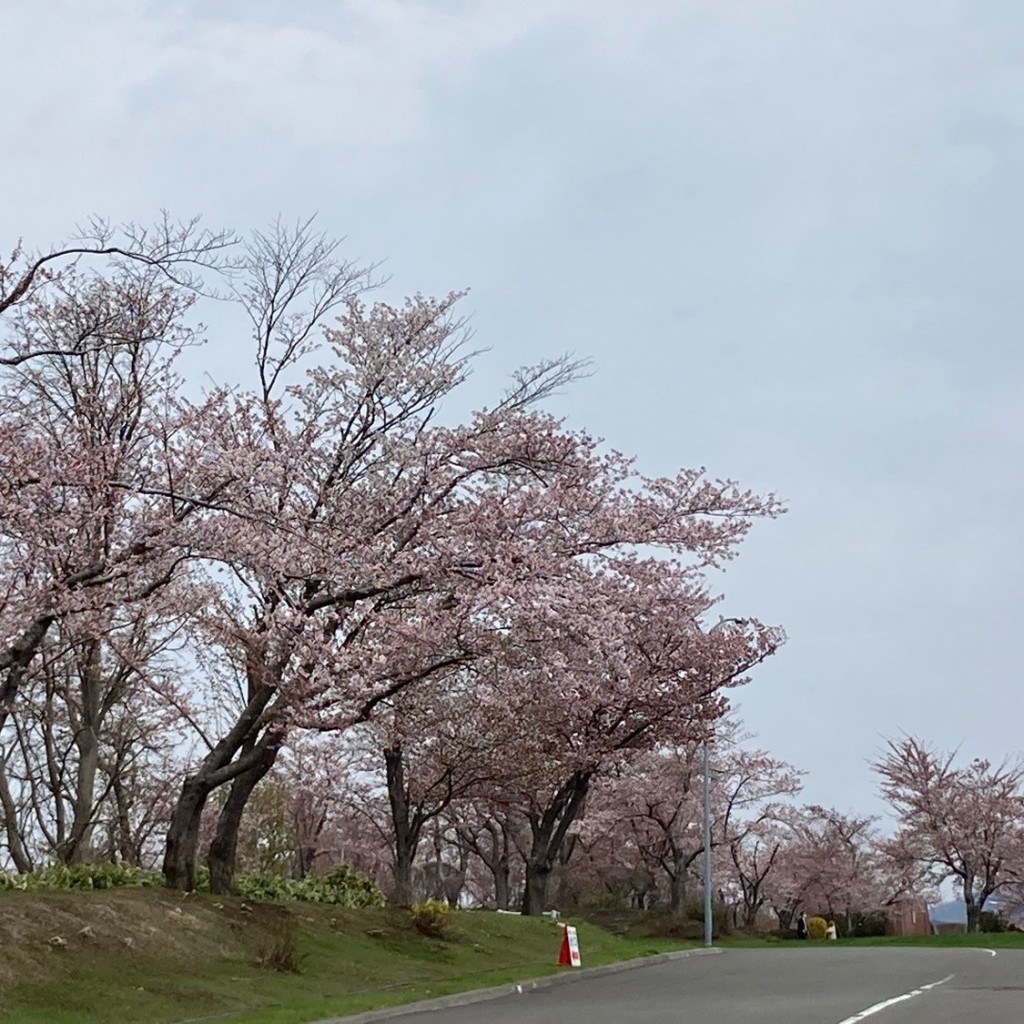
707 848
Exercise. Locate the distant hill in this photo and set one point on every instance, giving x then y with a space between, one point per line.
951 912
954 911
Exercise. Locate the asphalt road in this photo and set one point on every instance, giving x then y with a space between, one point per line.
795 986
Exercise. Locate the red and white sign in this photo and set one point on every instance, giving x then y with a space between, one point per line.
569 954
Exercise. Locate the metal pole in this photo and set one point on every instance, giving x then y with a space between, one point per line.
707 849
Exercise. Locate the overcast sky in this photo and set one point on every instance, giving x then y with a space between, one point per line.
788 232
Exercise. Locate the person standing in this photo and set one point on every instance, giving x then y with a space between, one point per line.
830 931
801 926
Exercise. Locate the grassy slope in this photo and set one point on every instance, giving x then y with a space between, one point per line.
151 956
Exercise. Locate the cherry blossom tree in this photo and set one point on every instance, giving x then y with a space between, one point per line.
93 720
180 252
614 856
380 543
342 553
88 333
81 438
963 822
828 862
614 665
491 832
753 858
661 796
97 497
101 477
431 746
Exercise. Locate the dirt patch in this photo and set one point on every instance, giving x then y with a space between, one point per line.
46 935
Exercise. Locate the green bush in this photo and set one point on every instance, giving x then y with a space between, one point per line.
433 918
991 921
81 876
341 887
861 926
816 927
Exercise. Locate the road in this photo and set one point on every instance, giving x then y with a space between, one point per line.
829 985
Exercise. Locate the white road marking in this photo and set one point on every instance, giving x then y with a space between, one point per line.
878 1007
991 952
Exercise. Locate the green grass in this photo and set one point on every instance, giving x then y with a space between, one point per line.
200 964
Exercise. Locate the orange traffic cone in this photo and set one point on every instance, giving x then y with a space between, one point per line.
564 957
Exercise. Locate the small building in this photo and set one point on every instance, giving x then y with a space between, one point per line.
908 917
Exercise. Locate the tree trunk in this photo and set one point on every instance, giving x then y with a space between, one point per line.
15 841
307 840
752 904
495 856
183 834
121 840
217 768
549 834
536 890
305 854
677 892
677 881
750 911
973 913
500 871
401 870
78 846
88 724
224 845
405 826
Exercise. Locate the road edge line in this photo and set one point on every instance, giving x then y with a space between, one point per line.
481 995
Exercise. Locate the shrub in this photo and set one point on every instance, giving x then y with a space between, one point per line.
341 887
816 927
858 925
991 921
280 952
433 918
81 876
351 889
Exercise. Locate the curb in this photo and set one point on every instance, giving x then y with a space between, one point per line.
510 988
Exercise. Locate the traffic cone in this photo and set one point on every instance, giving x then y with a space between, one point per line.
564 957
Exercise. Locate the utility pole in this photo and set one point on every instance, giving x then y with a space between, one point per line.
707 848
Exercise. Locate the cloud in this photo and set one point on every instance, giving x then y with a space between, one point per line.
788 230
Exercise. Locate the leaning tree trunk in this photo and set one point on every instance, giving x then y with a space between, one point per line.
216 769
549 834
15 840
183 833
224 845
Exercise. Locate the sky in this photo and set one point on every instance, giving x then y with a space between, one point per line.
788 233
